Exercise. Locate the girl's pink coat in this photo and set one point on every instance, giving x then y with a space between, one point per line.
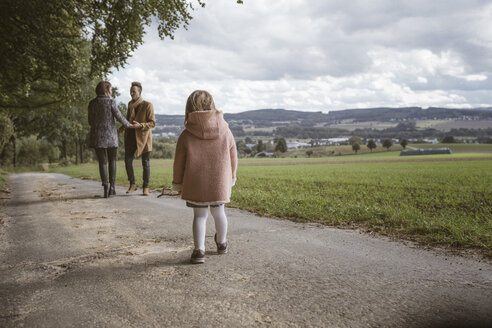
205 162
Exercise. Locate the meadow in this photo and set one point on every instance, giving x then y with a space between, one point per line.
333 151
432 199
446 125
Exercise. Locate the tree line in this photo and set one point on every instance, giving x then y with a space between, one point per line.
54 53
402 130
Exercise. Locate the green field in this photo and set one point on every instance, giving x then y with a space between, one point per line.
433 199
351 126
446 125
335 151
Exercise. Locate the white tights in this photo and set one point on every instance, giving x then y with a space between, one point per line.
200 225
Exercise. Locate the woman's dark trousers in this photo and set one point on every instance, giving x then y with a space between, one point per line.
129 154
103 156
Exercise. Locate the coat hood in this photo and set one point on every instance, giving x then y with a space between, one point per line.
206 124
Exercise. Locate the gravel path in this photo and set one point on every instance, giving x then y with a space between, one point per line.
69 258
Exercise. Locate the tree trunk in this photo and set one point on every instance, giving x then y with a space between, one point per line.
64 149
76 152
14 158
81 149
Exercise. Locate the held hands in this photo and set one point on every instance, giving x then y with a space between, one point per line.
135 125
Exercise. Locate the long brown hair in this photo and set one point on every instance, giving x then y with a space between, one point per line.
199 100
103 87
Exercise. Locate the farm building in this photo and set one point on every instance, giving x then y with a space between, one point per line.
335 141
264 154
425 151
296 144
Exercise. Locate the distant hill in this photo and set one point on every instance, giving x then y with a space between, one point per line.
481 108
258 117
169 119
283 117
276 115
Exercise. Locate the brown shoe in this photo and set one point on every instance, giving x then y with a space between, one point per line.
198 256
146 191
221 248
132 188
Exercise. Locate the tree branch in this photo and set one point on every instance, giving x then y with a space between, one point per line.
31 106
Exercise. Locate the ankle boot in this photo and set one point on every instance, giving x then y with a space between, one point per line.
112 190
132 188
106 190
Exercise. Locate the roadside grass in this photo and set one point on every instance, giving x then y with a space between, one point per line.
3 180
3 191
445 203
432 199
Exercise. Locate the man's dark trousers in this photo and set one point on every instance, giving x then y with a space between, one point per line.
130 150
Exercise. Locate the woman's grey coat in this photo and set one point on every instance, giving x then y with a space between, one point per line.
102 112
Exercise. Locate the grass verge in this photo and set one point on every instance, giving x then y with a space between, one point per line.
3 189
3 180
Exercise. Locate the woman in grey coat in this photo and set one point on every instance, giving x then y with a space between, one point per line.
103 135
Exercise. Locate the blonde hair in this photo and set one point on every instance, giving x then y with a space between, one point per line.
199 100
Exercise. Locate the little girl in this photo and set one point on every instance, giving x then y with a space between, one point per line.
205 169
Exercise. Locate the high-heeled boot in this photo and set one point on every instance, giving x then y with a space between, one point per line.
112 190
112 175
106 190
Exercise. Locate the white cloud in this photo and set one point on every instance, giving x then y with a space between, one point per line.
475 77
320 55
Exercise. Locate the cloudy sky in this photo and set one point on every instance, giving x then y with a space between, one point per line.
320 55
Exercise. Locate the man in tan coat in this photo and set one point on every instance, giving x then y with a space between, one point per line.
139 140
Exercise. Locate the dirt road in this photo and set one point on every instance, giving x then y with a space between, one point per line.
69 258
